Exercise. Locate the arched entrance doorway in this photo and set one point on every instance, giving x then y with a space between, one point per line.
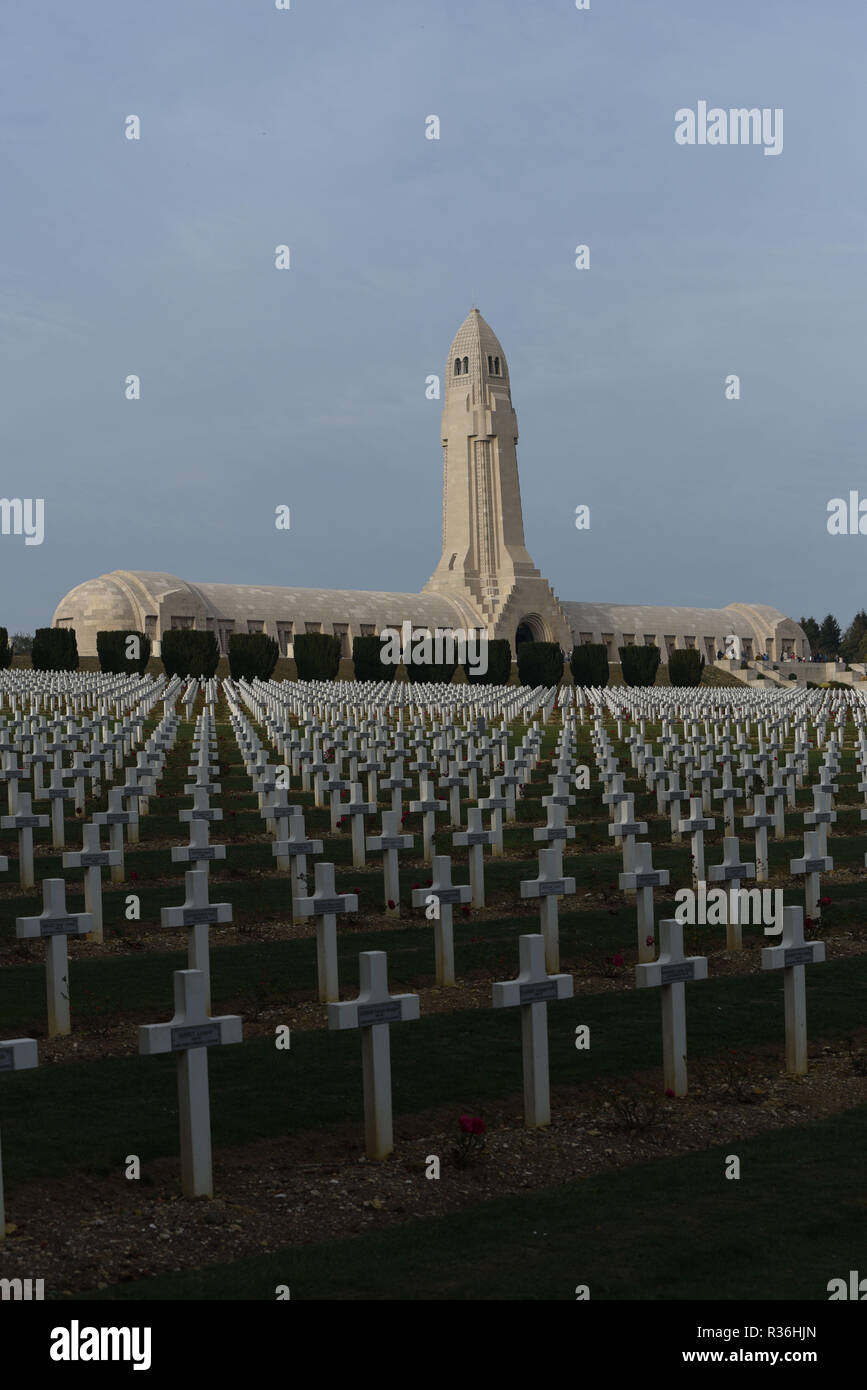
531 629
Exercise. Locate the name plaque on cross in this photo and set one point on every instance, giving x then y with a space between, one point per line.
647 880
378 1013
556 885
557 832
97 857
535 994
476 837
7 1059
675 974
26 822
731 871
116 817
391 842
59 926
814 866
324 905
192 915
446 895
200 1035
209 852
798 955
202 815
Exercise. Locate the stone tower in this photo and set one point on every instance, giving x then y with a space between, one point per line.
485 562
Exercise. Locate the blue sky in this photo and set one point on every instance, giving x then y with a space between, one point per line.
306 387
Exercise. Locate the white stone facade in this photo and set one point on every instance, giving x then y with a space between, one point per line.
485 580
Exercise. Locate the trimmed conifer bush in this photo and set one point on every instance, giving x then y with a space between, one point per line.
186 652
317 656
117 653
589 664
499 664
639 664
365 657
54 649
685 667
6 652
540 663
252 655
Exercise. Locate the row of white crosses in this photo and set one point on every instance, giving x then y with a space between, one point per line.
673 970
375 1009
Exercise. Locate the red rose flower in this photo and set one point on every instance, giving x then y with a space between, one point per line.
391 902
478 1126
648 941
466 1124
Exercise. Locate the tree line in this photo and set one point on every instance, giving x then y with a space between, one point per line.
828 642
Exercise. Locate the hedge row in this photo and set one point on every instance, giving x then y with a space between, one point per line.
54 649
123 650
186 652
252 655
685 667
640 664
589 664
6 652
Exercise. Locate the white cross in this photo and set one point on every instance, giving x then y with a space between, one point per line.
373 1011
731 869
16 1054
791 956
277 807
54 924
202 783
556 830
670 972
821 816
759 821
511 779
548 887
388 843
625 829
532 990
496 802
453 783
356 811
199 852
335 787
25 822
190 1033
643 879
397 784
296 848
93 859
323 905
201 808
428 806
674 796
811 866
196 915
696 824
11 774
474 838
446 894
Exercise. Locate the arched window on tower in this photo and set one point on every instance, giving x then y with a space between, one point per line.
496 366
457 366
490 363
466 365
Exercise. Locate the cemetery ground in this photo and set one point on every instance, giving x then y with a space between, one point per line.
588 1200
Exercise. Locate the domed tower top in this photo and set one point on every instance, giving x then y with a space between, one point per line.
476 353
